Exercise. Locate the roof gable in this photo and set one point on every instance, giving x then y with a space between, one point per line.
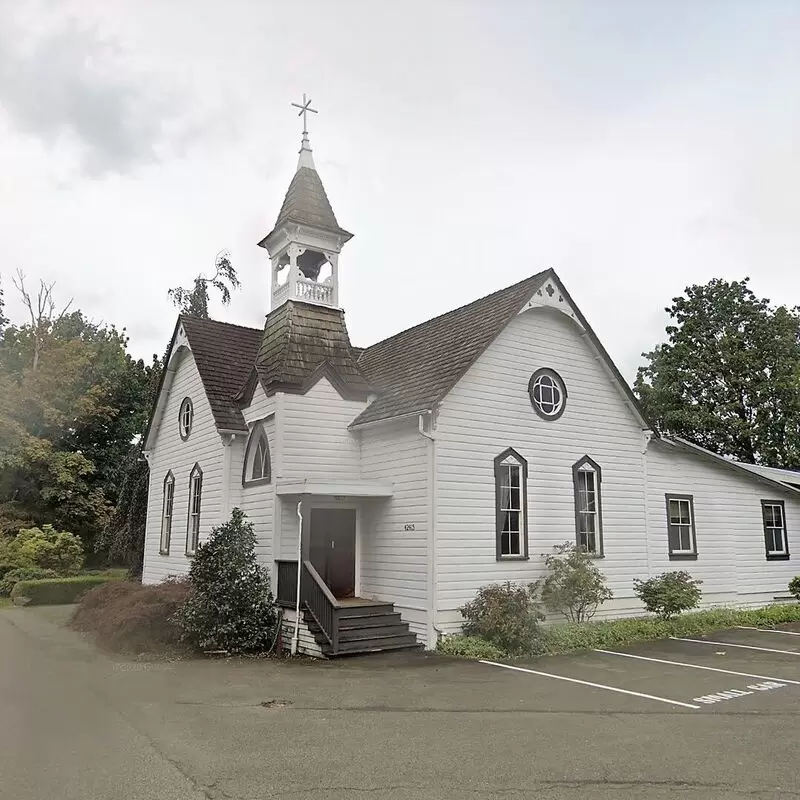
415 369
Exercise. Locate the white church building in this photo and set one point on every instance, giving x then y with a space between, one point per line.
403 476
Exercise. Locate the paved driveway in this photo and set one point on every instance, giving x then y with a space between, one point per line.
713 718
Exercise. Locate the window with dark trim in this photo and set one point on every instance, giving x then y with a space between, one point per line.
511 505
195 502
185 418
548 393
586 480
257 466
680 527
166 513
776 542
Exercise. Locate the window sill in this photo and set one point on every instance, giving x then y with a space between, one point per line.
778 556
513 558
683 556
163 552
256 482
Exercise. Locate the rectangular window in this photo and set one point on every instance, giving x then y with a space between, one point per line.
586 476
166 514
195 495
775 539
510 473
680 524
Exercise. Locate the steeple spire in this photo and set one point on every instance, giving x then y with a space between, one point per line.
305 242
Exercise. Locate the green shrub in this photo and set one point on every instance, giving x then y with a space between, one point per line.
229 605
610 634
575 586
506 615
794 587
668 594
48 548
10 556
14 576
127 617
54 591
470 647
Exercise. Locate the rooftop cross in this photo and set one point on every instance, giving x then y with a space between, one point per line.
305 107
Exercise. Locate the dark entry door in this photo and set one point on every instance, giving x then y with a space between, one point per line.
333 548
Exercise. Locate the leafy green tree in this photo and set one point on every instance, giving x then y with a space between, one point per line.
3 317
194 301
230 605
728 378
72 402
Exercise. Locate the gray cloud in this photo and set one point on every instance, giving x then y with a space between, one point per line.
72 85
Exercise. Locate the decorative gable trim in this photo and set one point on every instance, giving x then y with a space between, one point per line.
551 295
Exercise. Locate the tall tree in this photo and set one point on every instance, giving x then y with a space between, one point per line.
3 318
71 404
728 377
194 301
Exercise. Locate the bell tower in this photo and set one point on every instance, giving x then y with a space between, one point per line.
305 243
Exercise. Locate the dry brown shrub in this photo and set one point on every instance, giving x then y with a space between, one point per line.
127 617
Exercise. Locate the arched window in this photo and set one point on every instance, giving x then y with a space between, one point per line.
166 513
257 467
511 505
195 502
185 418
587 476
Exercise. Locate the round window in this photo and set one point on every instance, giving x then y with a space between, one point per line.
548 393
185 417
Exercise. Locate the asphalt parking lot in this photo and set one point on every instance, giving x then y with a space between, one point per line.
716 718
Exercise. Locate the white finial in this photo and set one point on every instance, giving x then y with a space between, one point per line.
306 159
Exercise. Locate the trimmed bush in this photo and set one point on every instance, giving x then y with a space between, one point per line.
126 617
470 647
794 587
229 606
506 615
668 594
14 576
54 591
575 586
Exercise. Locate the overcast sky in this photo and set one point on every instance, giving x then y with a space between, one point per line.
636 147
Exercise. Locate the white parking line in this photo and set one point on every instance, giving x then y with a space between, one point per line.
768 630
733 644
698 666
588 683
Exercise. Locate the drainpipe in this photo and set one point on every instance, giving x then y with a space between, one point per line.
433 631
647 436
296 635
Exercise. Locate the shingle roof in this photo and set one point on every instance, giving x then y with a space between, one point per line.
415 369
307 203
224 355
300 338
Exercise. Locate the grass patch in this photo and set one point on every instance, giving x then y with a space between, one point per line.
609 634
129 618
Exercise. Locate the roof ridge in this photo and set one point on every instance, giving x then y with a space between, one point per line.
428 321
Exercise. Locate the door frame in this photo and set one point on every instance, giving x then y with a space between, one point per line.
321 502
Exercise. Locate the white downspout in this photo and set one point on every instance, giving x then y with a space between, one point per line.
296 635
647 436
433 631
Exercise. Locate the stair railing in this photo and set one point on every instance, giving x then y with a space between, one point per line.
318 600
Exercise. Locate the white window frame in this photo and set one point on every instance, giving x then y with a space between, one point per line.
507 463
185 418
682 552
167 509
771 531
195 507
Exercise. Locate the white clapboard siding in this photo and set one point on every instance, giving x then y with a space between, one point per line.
306 643
258 500
488 411
393 560
204 446
315 441
731 554
260 406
